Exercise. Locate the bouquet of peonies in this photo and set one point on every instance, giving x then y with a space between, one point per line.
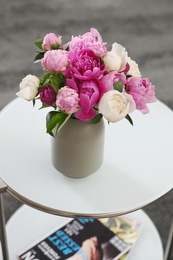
84 81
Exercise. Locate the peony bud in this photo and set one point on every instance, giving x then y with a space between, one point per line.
29 87
48 95
51 41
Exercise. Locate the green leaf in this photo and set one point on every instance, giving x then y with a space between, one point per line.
51 121
95 120
57 81
64 118
39 56
129 119
43 106
33 102
62 80
38 43
118 86
54 119
45 80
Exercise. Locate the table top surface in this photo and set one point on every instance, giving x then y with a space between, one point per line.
137 167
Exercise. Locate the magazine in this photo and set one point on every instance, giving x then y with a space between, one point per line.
126 228
78 239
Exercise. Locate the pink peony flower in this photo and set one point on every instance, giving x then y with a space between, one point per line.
48 95
142 91
91 40
51 41
107 82
55 60
89 95
85 65
72 84
67 100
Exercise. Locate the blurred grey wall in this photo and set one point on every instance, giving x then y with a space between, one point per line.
145 28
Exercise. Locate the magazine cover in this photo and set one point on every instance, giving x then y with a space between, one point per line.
78 239
126 228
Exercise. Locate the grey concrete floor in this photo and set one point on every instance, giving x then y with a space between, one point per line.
145 28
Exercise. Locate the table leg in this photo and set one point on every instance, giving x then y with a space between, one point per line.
169 244
2 224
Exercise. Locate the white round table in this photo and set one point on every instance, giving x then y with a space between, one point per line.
28 225
137 166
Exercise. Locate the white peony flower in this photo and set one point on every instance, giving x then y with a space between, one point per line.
29 87
134 69
112 61
116 59
115 105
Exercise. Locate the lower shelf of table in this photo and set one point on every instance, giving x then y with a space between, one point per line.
28 225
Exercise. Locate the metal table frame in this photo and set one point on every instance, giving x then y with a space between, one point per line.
3 235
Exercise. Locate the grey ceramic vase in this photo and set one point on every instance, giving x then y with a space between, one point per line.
78 148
